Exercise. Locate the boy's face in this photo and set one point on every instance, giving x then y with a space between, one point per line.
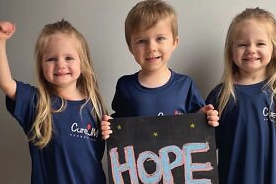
152 48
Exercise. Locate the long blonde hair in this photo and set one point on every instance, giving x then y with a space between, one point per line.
267 20
41 131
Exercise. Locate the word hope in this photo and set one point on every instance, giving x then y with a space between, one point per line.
163 165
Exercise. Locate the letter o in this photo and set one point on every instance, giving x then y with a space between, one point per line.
143 175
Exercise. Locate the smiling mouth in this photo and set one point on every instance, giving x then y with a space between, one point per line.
153 58
251 59
61 74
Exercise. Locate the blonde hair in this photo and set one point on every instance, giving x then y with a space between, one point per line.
41 131
146 14
267 20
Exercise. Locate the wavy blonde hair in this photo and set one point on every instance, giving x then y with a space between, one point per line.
267 21
146 14
41 131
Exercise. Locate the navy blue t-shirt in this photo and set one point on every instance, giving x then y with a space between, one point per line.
179 95
74 153
246 137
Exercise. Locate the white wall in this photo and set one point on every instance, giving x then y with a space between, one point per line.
202 29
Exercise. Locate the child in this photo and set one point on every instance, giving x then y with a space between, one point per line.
152 35
246 137
61 116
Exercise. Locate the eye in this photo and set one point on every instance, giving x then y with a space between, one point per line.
161 38
141 41
242 45
50 59
261 44
69 58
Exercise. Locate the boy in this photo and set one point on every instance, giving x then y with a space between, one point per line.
152 35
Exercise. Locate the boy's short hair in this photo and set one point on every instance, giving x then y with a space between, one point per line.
146 14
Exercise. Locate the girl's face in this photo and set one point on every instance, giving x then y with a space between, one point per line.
61 61
152 48
252 49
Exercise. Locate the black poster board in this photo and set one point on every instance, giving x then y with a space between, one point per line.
166 149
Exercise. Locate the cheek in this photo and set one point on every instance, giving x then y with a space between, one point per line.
270 53
44 69
236 54
136 53
78 67
171 50
47 69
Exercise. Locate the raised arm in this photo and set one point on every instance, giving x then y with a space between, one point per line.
7 84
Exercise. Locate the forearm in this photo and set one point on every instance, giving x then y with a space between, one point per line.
7 84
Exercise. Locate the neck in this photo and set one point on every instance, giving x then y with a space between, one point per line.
154 79
69 94
247 79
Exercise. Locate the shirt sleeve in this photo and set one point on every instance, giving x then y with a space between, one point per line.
118 102
194 100
24 105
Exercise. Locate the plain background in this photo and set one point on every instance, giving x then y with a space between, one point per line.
202 29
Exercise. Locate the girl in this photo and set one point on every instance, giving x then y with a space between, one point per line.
246 137
61 116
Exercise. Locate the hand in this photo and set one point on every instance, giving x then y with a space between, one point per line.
212 114
6 30
105 127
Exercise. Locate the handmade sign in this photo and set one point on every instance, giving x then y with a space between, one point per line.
165 149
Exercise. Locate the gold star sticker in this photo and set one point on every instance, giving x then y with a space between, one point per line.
119 127
155 134
192 125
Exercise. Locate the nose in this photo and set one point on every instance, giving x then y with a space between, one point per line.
251 49
152 46
60 63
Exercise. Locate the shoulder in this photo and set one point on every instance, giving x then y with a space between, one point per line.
25 90
216 90
181 77
214 94
185 82
125 79
128 77
22 85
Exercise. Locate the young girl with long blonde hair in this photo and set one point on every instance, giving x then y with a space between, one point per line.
246 136
61 115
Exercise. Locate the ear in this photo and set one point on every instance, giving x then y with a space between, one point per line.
130 50
176 41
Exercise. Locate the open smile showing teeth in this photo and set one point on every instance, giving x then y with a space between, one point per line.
60 74
251 59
